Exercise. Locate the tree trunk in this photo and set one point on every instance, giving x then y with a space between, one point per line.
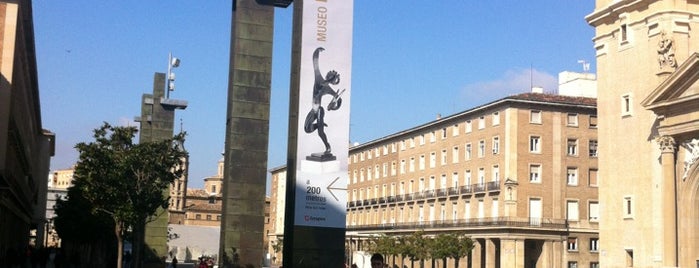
456 262
444 262
138 244
118 228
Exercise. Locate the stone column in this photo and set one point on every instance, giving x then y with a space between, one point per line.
490 253
247 134
512 253
668 149
477 253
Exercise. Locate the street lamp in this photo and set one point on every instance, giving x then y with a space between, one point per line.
170 84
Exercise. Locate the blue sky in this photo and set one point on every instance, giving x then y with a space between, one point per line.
410 62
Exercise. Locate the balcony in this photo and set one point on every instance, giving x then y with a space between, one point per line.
454 191
493 186
382 200
479 187
428 193
475 223
441 192
466 189
372 201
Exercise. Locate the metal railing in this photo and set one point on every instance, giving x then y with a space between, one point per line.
497 222
478 188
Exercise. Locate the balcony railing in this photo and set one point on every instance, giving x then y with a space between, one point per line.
498 222
492 186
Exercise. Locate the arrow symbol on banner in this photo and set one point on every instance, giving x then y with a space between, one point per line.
333 188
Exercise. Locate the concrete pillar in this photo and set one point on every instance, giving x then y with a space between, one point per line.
490 253
476 254
247 134
669 205
512 253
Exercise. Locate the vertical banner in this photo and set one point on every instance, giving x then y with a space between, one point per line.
324 113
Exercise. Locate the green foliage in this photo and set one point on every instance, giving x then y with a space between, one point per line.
118 180
418 246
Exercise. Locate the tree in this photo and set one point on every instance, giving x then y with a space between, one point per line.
125 181
385 245
418 247
451 245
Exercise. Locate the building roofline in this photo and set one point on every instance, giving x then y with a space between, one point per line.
524 98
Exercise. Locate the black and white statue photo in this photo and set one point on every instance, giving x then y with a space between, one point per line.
315 120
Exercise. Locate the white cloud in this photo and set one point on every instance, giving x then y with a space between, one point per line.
512 82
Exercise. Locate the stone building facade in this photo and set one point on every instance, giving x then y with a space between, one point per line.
25 147
519 175
648 106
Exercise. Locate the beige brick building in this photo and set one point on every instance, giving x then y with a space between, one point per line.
519 175
648 103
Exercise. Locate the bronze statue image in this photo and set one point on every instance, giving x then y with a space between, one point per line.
315 120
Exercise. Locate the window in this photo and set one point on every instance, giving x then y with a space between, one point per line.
629 257
433 159
455 179
208 217
496 145
572 120
593 177
628 208
412 142
594 265
494 208
594 244
444 133
481 148
535 144
444 157
626 103
412 164
368 174
624 34
535 117
421 164
393 168
593 121
481 122
467 177
481 176
385 149
572 213
572 264
572 244
376 151
212 200
393 147
376 172
402 166
213 188
455 154
468 152
361 156
593 148
402 145
593 211
535 173
572 147
384 170
496 173
198 217
422 138
468 127
496 118
455 130
433 136
361 175
572 176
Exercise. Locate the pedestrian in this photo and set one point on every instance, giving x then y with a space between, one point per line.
174 262
377 261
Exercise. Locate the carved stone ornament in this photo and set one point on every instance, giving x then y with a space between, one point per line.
667 144
691 156
666 51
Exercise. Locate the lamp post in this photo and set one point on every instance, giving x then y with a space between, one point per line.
172 62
